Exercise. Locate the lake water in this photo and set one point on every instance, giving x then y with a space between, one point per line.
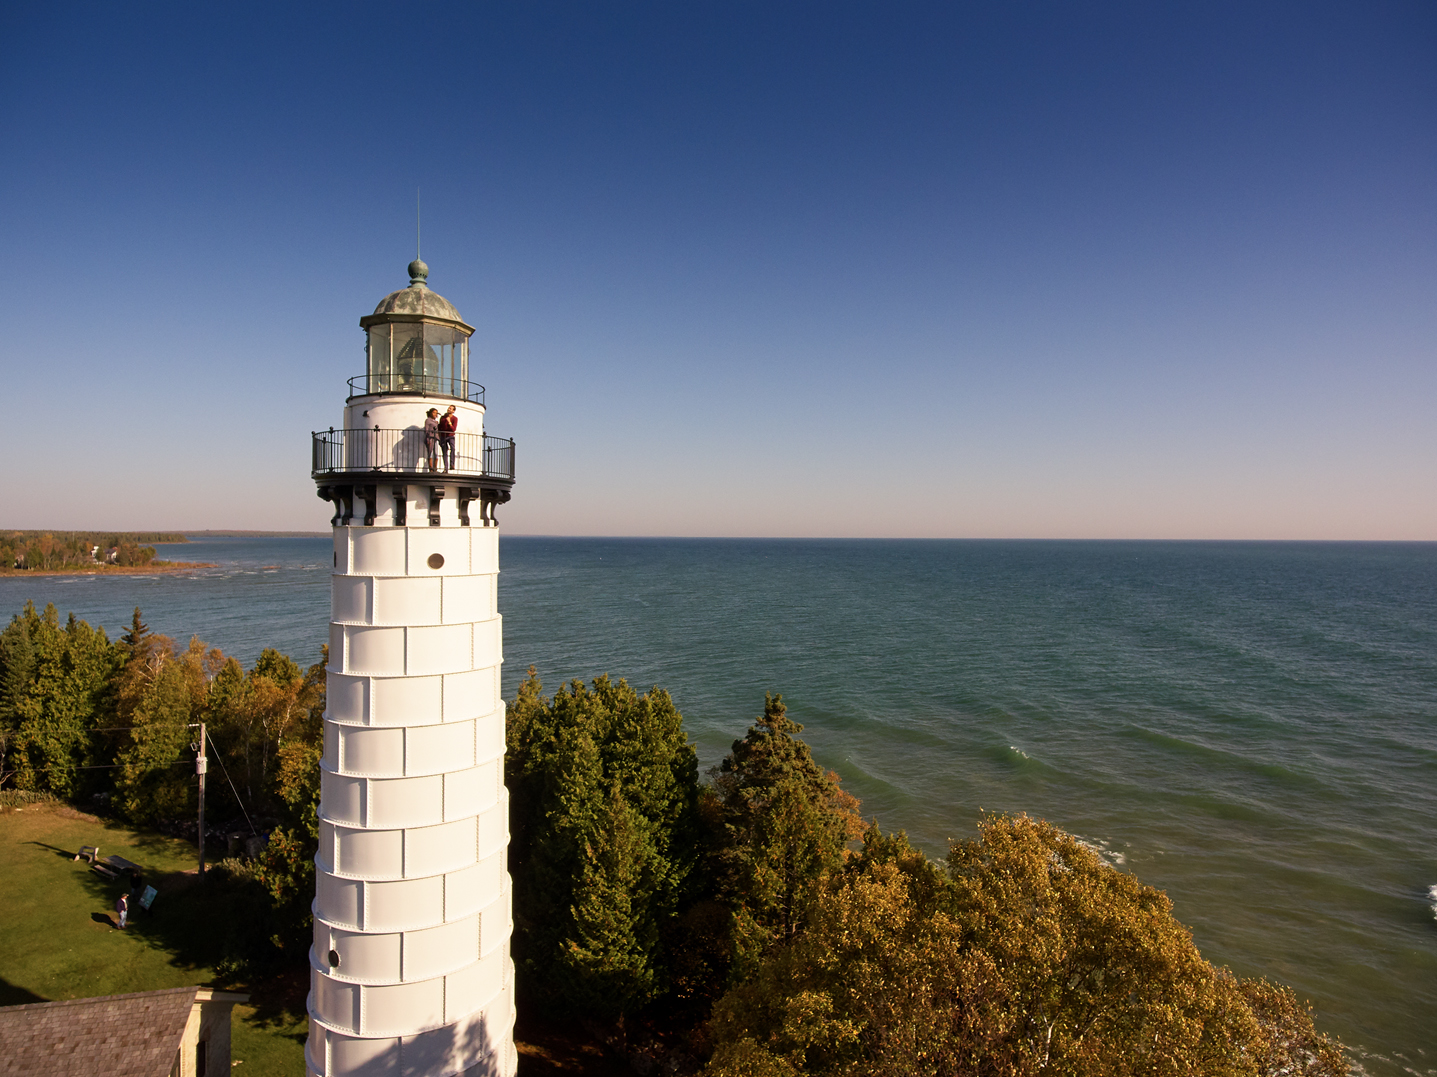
1251 727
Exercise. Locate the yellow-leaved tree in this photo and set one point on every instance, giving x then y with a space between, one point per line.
1028 955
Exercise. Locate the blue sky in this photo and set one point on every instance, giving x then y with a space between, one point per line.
1027 270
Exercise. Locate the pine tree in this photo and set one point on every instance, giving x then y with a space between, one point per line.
134 636
611 953
17 664
17 669
786 825
603 794
54 708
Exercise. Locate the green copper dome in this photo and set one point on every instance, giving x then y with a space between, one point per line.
418 298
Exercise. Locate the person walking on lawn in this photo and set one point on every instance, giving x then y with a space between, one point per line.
122 906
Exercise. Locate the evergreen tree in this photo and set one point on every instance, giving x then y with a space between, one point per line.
17 669
786 823
55 708
134 636
612 953
254 713
603 791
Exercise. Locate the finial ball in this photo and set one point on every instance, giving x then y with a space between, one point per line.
418 272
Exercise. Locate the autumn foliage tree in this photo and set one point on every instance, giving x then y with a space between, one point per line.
294 709
161 692
1029 955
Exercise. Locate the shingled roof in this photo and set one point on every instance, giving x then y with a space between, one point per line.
117 1035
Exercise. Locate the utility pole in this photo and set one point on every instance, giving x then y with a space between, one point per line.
202 764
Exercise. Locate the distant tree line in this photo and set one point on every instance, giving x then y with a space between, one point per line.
50 550
749 925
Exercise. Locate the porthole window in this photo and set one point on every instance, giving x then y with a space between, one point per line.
436 560
334 959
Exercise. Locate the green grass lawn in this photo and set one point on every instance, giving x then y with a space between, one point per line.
58 939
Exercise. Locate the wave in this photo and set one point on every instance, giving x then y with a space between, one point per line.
1110 856
1432 897
1015 760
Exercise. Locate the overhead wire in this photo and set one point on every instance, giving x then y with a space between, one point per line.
225 771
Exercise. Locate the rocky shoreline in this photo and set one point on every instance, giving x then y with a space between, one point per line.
159 567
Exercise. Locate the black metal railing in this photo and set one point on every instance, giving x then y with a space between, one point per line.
405 451
425 384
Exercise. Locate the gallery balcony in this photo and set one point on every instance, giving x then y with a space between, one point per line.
360 455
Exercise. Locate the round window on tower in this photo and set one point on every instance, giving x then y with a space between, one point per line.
436 560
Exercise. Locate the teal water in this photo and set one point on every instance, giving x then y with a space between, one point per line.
1251 727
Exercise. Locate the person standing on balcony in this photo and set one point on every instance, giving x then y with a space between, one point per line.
431 438
448 427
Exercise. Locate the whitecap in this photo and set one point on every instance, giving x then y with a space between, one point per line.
1432 896
1015 748
1114 858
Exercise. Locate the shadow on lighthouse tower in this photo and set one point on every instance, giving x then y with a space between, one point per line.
410 968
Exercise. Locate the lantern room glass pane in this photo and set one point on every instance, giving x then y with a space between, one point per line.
414 364
446 344
417 357
379 362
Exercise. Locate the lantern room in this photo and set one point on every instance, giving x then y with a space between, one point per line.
416 349
415 342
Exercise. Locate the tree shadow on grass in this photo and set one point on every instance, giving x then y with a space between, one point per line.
15 995
217 930
279 1002
158 843
224 924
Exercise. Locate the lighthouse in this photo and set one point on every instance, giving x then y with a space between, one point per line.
410 974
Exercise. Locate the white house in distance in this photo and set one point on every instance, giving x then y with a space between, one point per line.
410 966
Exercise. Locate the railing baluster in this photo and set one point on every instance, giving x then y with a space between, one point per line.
376 449
418 384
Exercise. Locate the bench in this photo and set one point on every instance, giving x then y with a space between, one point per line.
113 867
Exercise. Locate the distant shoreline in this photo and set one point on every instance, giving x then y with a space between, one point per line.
261 534
108 570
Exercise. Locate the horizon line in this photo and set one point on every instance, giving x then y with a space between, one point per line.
296 533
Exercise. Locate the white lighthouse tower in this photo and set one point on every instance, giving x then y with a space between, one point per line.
410 968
